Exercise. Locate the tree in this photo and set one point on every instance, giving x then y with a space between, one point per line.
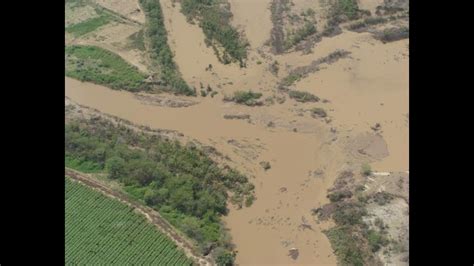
224 257
116 167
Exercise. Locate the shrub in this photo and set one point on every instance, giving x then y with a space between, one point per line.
346 247
349 214
318 112
299 35
382 198
245 97
376 240
366 170
339 195
302 96
265 165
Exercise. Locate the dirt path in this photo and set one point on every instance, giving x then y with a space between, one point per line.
153 216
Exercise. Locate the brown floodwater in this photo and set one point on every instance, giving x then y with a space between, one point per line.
371 86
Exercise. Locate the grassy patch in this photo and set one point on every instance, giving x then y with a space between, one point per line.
290 79
89 25
137 41
376 240
160 51
245 97
302 96
299 35
214 19
94 64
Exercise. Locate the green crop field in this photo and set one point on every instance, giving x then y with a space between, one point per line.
92 63
104 231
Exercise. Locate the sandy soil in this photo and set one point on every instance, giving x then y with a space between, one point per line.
247 14
369 5
369 87
129 9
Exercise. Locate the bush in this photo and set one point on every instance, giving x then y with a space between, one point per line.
224 258
346 247
366 170
376 240
382 198
318 112
339 195
302 96
349 214
300 34
245 97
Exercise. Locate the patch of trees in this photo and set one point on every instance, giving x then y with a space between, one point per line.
159 49
182 183
214 19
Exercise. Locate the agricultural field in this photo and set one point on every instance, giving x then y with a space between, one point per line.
91 63
101 231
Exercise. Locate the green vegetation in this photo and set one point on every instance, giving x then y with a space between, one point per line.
366 22
341 11
299 35
290 79
302 96
349 214
214 19
318 112
349 8
89 25
160 51
182 183
347 247
393 34
137 41
366 170
84 166
339 195
245 97
103 231
94 64
382 198
376 240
